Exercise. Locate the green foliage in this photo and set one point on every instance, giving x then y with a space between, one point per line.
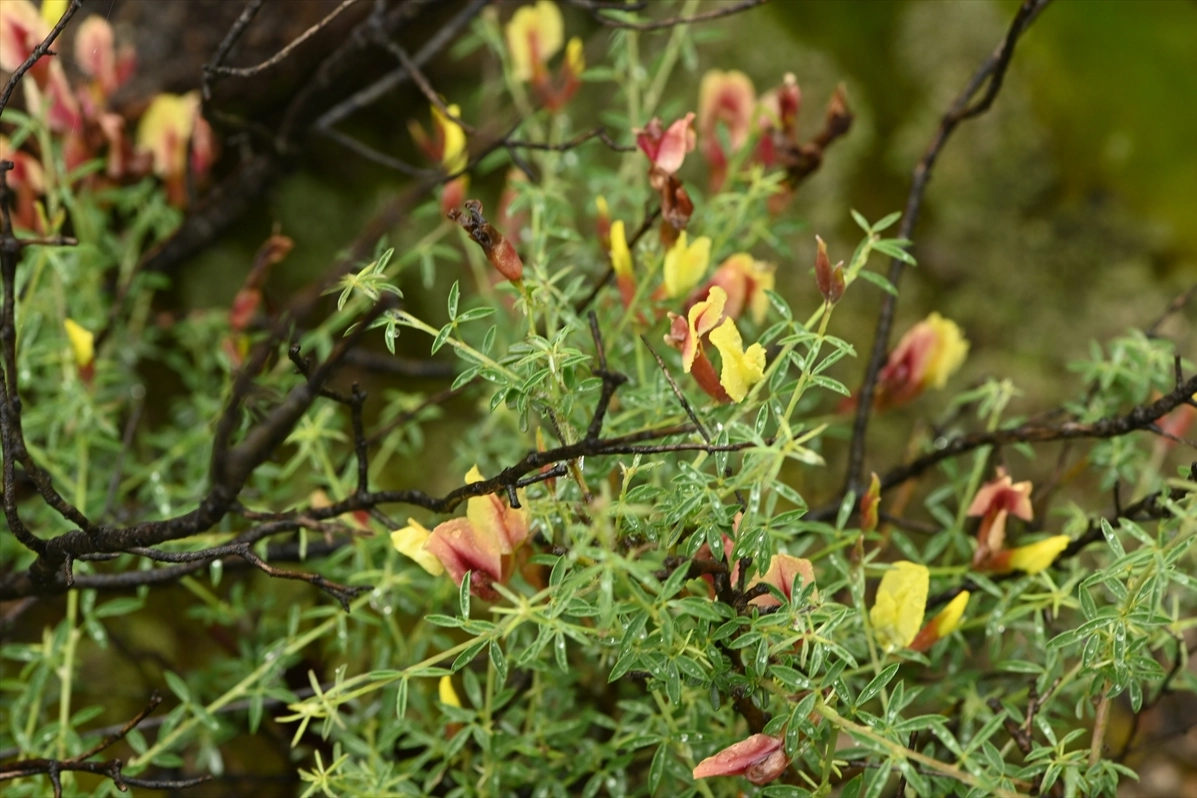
606 666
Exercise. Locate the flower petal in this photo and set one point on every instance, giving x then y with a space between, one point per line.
737 758
685 264
534 35
741 368
1036 557
411 542
82 342
898 610
460 549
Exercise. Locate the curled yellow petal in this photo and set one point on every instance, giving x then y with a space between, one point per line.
897 613
701 319
446 692
575 59
410 541
685 264
1036 557
741 368
949 617
454 155
82 342
621 256
534 35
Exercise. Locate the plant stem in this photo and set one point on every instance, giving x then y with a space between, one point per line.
898 751
1100 721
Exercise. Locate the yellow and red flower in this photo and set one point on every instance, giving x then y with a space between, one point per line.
621 262
446 146
168 128
780 574
534 35
744 279
741 369
943 624
994 503
727 99
929 353
686 334
666 147
482 544
83 347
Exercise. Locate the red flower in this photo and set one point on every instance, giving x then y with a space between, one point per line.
760 759
666 148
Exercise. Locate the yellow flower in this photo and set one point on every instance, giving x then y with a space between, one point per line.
454 155
901 602
949 617
741 368
621 256
1035 557
575 59
165 130
410 541
686 334
600 202
82 343
534 35
948 354
52 10
929 353
685 264
942 624
447 694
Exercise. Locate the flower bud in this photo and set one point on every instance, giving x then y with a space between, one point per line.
869 504
498 250
830 279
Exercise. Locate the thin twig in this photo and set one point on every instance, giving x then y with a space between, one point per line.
671 22
992 70
39 51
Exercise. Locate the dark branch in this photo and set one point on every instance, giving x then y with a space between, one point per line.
992 70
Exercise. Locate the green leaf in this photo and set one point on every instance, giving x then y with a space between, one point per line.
657 768
499 661
463 594
878 280
454 295
861 222
886 221
441 337
894 250
401 699
877 684
467 656
1112 539
177 686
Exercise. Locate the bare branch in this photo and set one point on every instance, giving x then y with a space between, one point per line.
992 70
